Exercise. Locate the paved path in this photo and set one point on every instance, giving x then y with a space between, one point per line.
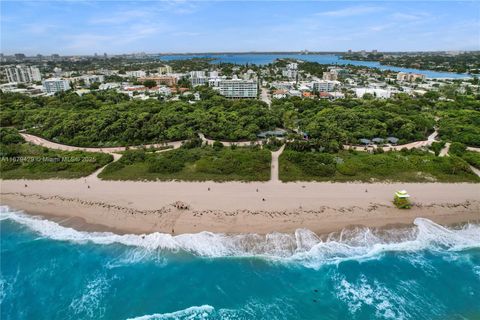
444 151
53 145
274 167
475 170
264 96
228 143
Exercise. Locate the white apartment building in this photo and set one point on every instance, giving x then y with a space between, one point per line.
291 71
136 74
214 82
323 85
165 69
90 79
237 88
213 74
22 74
53 85
198 78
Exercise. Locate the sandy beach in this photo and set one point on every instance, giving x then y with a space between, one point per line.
145 207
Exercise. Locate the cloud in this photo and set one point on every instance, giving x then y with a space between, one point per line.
401 16
120 17
39 28
350 11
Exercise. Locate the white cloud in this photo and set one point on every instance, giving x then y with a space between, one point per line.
350 11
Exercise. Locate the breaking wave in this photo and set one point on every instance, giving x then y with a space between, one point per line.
303 246
202 312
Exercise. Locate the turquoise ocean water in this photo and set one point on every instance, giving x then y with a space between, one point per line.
265 58
53 272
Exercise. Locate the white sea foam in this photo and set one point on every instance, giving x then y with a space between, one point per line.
88 303
201 312
363 294
303 246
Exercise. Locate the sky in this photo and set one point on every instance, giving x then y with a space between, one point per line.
71 27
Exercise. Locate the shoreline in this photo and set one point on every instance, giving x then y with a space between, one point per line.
235 207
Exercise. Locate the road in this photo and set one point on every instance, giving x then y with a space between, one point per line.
265 97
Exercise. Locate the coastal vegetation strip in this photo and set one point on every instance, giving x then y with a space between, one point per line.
20 160
192 163
404 166
107 118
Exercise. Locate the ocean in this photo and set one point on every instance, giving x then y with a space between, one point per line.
331 59
53 272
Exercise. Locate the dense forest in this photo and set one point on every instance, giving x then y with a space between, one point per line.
348 120
108 118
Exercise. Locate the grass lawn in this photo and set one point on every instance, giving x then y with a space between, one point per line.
27 161
411 166
195 164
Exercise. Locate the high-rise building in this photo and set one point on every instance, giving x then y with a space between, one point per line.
22 74
237 88
19 56
53 85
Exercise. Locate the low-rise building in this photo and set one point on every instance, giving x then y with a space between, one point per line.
410 77
165 69
198 78
53 85
237 88
323 85
291 71
166 80
136 74
88 80
279 94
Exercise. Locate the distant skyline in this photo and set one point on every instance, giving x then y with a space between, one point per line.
88 27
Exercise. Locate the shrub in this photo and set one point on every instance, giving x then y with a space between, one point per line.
115 166
192 143
347 168
457 148
132 156
217 145
437 147
164 165
10 136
